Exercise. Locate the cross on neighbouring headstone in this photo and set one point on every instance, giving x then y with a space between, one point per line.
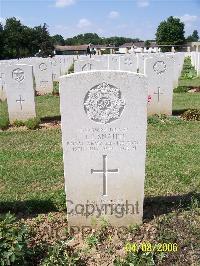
20 101
20 95
159 72
104 171
158 93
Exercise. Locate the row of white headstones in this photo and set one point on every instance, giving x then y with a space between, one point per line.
195 58
20 79
104 108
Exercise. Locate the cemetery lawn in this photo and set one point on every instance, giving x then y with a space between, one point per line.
185 101
48 106
195 82
32 187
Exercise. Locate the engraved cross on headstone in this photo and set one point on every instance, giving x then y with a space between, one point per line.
158 93
105 171
20 101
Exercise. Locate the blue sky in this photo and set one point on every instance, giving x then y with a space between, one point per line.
129 18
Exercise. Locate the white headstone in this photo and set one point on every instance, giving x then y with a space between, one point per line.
128 63
159 74
20 92
2 82
56 69
103 120
43 76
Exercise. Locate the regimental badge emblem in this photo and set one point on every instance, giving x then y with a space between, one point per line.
18 74
159 67
42 66
103 103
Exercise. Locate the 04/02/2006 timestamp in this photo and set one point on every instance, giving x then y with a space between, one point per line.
149 247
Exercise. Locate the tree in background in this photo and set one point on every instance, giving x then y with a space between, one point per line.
147 44
13 38
1 41
95 39
42 40
58 40
170 32
84 39
194 37
22 41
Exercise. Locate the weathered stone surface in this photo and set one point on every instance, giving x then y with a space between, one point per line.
104 142
20 92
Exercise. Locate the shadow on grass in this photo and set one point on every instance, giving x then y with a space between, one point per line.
179 112
28 207
50 118
155 206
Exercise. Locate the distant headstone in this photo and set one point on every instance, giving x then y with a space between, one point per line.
140 62
159 72
43 76
20 92
114 62
128 63
103 118
56 69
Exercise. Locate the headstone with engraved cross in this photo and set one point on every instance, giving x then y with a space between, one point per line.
103 119
20 92
159 72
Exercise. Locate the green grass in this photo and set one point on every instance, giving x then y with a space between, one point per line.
25 183
184 101
48 106
31 170
190 82
172 165
32 182
3 109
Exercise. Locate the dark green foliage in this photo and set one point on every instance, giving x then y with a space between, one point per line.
32 123
71 69
55 88
13 242
22 41
194 37
170 32
138 259
4 123
18 123
181 89
1 41
147 44
60 254
58 40
154 119
95 39
192 114
188 71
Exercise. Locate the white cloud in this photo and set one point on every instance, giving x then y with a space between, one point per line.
143 3
113 14
83 23
188 18
64 3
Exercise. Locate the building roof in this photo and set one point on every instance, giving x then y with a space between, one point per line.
81 47
71 47
127 45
